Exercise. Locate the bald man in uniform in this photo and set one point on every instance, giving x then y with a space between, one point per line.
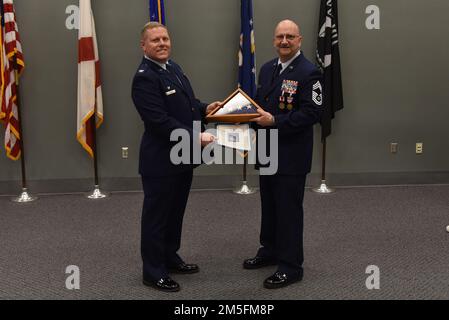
290 92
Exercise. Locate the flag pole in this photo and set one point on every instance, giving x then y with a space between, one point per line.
323 188
247 70
24 196
244 189
96 193
328 58
88 53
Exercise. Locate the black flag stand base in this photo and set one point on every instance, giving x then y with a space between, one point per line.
323 188
24 197
97 193
244 189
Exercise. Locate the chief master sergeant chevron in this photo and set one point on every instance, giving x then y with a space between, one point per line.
290 92
165 101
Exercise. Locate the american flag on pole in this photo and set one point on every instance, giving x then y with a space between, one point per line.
12 65
90 102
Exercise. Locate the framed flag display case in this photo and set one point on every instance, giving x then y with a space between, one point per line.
237 108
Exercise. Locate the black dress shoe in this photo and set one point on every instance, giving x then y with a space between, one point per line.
184 268
258 262
279 280
164 284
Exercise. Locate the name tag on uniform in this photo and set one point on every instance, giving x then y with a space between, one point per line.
169 93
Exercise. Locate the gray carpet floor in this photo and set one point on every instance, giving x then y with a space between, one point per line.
402 230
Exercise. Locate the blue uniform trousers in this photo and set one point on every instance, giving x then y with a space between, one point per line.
162 215
281 233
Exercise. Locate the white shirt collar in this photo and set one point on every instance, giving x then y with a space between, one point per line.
287 63
162 65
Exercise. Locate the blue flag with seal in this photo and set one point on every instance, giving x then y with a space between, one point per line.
247 60
157 11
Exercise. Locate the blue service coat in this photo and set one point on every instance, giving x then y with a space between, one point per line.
165 101
295 100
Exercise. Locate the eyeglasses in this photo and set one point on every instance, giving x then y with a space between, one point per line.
289 37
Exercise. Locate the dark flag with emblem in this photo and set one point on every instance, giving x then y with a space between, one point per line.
157 11
247 64
328 58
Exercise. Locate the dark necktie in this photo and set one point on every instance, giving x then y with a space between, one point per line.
276 72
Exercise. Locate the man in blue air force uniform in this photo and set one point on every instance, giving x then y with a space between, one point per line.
165 101
290 92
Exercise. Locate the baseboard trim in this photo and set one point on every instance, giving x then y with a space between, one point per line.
226 182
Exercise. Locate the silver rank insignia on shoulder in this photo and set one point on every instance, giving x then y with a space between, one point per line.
141 70
317 94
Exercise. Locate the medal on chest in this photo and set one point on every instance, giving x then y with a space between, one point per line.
288 89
